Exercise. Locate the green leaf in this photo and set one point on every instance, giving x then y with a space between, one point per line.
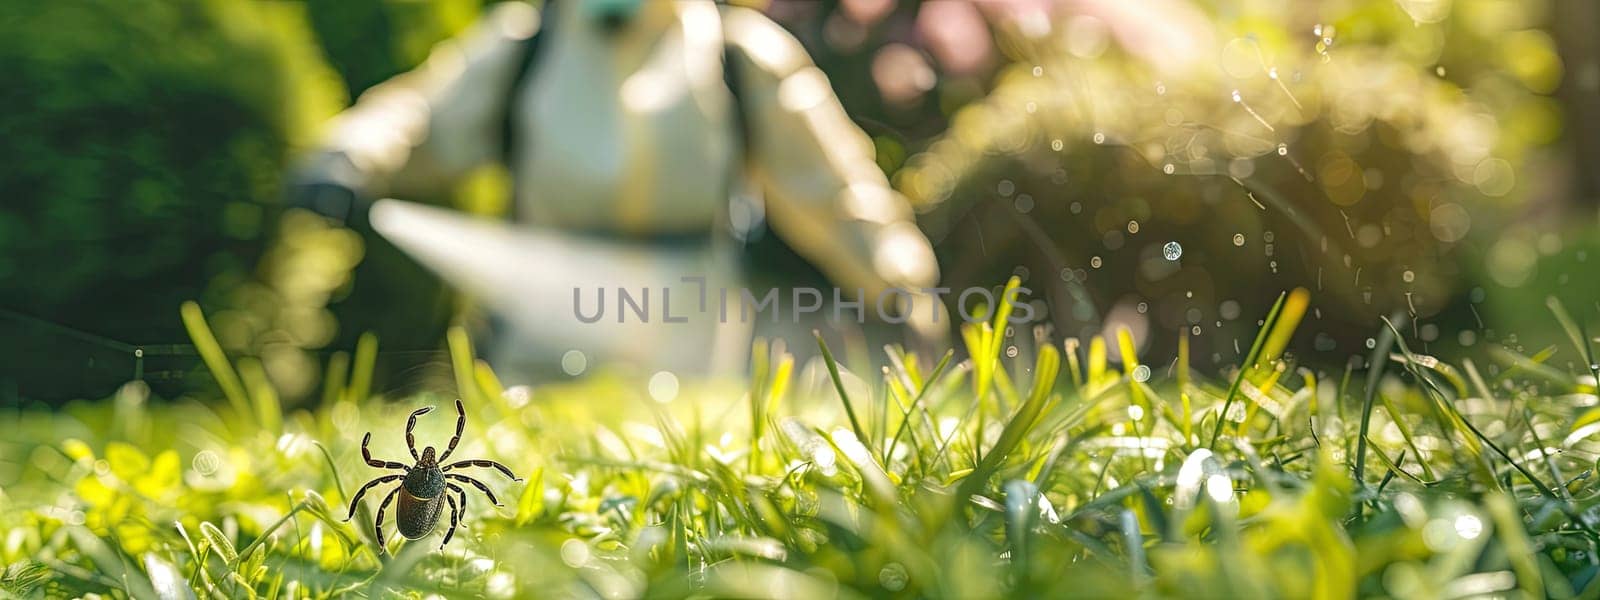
219 542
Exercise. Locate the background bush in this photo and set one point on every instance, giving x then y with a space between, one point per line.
144 144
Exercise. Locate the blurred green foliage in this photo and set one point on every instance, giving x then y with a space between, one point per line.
144 144
369 41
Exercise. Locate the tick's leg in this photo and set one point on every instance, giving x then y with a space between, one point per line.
461 424
475 483
377 528
381 464
462 493
363 491
483 463
455 514
411 423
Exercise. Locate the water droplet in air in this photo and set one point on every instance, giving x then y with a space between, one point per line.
1371 343
663 386
1238 239
1038 71
1099 138
1272 73
1439 70
1172 250
1056 145
1141 374
1024 203
1094 262
1169 168
1236 97
573 363
1143 307
1133 227
1408 276
1283 149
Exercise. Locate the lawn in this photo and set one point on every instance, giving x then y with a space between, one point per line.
986 472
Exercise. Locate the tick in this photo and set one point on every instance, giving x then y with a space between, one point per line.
425 487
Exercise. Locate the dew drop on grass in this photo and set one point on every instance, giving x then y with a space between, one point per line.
206 463
1468 526
1173 251
893 576
574 552
518 396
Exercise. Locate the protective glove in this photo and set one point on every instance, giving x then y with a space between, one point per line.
326 184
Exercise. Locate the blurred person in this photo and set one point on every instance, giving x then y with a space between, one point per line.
629 128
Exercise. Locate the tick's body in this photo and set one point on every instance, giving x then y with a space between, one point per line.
425 487
421 497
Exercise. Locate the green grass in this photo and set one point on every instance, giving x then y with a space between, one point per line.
1042 475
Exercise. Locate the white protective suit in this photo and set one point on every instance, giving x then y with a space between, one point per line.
625 137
